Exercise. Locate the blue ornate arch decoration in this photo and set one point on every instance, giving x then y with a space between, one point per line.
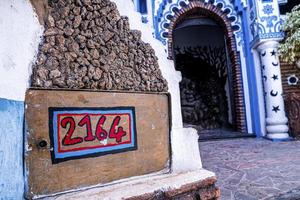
267 25
235 8
168 8
231 26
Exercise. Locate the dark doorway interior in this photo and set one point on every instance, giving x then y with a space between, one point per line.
288 6
206 86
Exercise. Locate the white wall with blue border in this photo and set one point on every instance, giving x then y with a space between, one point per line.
20 34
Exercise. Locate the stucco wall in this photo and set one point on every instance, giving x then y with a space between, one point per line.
19 38
185 150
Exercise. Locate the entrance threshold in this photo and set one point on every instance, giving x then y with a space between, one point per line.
221 134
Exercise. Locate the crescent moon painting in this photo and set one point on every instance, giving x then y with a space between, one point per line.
265 77
273 94
263 54
275 64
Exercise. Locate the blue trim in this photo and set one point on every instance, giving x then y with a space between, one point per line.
251 3
267 1
238 8
11 149
280 140
161 16
252 81
263 36
142 6
137 5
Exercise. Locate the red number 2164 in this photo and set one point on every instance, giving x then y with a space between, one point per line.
100 133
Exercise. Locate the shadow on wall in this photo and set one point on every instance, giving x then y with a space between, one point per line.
203 94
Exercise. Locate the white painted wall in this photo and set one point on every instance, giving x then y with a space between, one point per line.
245 89
20 34
185 150
260 92
19 38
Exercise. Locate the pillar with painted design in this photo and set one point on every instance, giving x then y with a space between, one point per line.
276 120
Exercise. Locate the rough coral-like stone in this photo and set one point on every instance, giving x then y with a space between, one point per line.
69 31
51 31
54 73
42 73
60 40
60 24
87 44
50 21
77 21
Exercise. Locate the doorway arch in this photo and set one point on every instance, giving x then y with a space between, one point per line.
219 16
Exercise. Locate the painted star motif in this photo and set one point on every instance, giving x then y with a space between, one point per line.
273 53
268 9
276 109
275 77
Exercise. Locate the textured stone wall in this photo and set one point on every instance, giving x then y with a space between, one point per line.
88 45
202 90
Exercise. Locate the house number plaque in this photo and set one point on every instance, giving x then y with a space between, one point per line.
87 132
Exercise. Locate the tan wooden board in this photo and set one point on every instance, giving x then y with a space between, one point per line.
152 134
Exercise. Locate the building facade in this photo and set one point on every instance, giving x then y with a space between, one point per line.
234 42
250 29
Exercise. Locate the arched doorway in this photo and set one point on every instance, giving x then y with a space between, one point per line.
216 87
206 86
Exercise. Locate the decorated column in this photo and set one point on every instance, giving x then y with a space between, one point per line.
276 120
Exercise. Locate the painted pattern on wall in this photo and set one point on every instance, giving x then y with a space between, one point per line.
265 22
85 132
274 64
168 9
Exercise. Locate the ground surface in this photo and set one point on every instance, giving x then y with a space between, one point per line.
250 168
205 135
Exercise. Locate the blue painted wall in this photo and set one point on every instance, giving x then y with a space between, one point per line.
11 149
252 83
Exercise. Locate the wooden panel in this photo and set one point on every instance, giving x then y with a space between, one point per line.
149 153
